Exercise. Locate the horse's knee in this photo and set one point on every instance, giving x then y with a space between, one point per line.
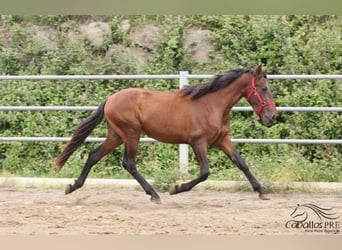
129 166
124 164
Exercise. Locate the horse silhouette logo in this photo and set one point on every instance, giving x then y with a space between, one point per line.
312 217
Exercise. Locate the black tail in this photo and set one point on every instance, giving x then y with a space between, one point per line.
80 134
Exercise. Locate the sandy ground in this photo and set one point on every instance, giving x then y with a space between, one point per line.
34 211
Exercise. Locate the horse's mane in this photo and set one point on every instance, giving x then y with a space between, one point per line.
322 212
218 82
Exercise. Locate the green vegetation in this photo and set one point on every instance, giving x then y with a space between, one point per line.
286 44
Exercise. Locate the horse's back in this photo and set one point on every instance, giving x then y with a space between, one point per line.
133 98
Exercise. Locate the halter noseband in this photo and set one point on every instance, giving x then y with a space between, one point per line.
262 102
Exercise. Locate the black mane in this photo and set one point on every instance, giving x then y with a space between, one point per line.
218 82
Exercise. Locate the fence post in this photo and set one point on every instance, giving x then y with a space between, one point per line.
183 148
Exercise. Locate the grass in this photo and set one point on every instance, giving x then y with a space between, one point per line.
219 186
277 173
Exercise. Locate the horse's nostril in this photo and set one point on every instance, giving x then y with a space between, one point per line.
270 119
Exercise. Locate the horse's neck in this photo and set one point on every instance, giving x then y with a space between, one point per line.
227 97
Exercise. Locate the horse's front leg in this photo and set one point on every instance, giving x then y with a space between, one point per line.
200 150
228 148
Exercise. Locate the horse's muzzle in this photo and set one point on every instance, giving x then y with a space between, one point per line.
268 119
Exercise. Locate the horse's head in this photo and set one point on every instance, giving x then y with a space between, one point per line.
260 97
299 213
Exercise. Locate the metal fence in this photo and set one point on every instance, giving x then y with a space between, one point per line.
183 78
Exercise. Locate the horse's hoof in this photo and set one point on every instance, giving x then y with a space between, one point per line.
173 190
264 197
156 200
68 189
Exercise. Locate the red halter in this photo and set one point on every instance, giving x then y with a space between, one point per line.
262 102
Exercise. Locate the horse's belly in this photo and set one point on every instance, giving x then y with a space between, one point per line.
166 134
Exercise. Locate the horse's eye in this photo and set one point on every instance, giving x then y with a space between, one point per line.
264 88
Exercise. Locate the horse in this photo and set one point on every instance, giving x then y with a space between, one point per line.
198 115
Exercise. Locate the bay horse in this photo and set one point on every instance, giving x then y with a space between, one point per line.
196 115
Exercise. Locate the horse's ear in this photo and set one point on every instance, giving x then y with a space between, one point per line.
265 70
258 70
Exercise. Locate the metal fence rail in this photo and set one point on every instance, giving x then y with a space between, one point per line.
247 140
149 77
91 108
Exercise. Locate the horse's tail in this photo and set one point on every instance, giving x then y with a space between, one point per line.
80 134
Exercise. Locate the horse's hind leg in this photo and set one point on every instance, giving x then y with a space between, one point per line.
128 163
111 142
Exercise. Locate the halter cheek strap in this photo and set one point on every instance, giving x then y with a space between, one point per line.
262 102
